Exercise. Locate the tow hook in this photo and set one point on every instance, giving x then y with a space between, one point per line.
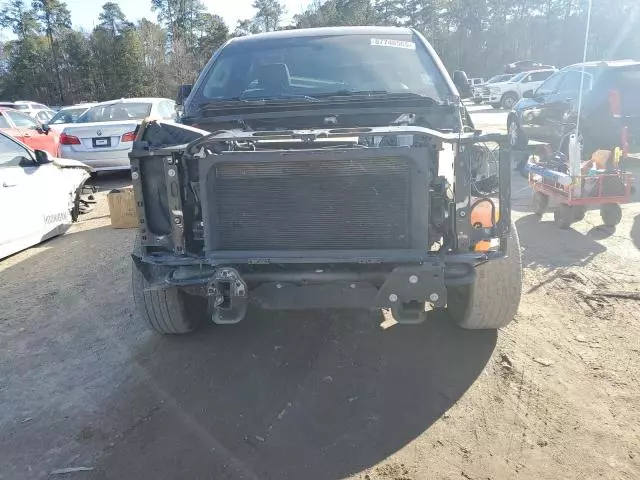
409 291
228 296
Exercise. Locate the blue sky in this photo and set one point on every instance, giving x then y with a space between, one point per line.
84 13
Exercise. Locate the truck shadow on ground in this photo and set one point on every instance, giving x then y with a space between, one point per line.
545 245
292 395
285 395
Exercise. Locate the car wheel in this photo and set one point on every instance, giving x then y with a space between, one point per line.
495 105
492 301
508 100
477 101
166 310
517 139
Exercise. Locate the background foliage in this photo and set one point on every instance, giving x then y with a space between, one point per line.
51 62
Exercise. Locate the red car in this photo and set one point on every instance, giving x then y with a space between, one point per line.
29 131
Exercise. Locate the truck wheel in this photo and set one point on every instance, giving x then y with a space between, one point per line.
477 101
166 310
492 301
611 214
540 203
509 100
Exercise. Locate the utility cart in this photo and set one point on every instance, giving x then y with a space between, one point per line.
606 188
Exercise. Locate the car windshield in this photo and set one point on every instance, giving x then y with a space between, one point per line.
499 78
321 66
519 77
68 115
116 112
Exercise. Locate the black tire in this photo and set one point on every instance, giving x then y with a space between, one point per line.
508 100
611 214
563 216
579 213
517 138
540 203
169 310
496 105
477 101
492 301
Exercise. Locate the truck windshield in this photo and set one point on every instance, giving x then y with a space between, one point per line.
323 65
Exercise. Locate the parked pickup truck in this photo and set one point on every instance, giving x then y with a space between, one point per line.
321 168
506 94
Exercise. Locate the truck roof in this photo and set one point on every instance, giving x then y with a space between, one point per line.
323 32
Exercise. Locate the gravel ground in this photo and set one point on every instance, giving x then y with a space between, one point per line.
327 394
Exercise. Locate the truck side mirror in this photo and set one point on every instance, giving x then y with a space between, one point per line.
183 92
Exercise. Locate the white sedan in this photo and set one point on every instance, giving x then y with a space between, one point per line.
103 136
38 195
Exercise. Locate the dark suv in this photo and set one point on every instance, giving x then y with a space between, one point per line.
610 115
321 168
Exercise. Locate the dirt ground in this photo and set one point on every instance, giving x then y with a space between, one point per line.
327 394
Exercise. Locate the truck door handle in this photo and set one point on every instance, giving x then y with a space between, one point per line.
7 185
26 134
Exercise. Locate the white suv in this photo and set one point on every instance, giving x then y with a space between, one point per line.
507 94
28 107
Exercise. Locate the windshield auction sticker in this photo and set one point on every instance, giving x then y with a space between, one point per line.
387 42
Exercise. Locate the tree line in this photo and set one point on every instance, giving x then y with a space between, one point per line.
51 62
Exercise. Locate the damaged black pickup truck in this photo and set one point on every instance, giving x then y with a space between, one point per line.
323 168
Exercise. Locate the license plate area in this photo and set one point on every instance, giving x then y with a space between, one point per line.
101 142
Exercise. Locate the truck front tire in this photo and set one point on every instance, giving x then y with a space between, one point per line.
492 301
166 310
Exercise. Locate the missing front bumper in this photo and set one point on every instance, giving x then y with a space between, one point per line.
408 290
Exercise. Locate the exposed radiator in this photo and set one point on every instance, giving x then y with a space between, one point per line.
310 205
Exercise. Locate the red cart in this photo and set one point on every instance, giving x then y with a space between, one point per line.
606 190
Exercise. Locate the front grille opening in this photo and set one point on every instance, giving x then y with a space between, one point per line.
310 205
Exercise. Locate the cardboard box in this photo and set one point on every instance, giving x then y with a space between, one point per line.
122 208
